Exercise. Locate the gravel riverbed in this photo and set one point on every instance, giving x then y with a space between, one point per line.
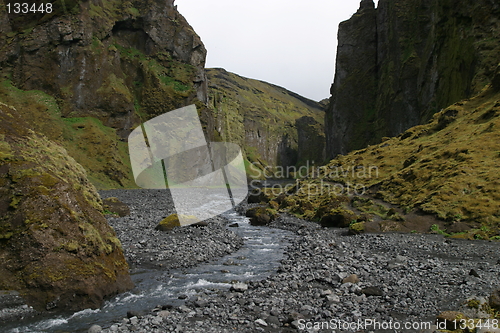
399 278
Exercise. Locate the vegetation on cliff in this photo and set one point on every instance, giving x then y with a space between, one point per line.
439 177
91 71
275 127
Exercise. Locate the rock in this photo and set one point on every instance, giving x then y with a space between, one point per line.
280 143
353 278
200 303
337 218
357 228
95 329
91 92
448 320
134 320
260 216
229 262
173 221
295 317
239 287
233 225
333 298
133 313
71 258
200 224
115 206
261 322
372 291
476 307
474 273
184 309
163 314
257 196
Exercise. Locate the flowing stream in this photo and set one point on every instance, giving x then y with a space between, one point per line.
259 257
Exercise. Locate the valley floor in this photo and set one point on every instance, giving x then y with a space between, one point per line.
404 279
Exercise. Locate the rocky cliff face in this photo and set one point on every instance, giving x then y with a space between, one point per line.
73 83
119 62
400 63
276 127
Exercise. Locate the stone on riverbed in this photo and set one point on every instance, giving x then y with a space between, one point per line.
239 287
173 221
115 206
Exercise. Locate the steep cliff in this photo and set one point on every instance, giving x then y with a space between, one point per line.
74 81
400 63
107 65
276 127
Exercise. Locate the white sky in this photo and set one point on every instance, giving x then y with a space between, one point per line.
289 43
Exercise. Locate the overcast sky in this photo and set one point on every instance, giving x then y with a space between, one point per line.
290 43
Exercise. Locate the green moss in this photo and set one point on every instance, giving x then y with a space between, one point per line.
5 149
473 303
93 237
6 236
357 228
173 221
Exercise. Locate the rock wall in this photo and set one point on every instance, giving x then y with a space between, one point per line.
73 84
400 63
266 120
119 62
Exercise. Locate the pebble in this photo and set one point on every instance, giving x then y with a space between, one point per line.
95 329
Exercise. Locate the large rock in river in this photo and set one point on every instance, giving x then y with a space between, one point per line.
56 247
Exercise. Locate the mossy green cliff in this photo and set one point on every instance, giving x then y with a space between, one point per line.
400 63
440 177
103 67
56 247
275 127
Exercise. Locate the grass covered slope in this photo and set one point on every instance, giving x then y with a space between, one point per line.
95 146
449 167
447 170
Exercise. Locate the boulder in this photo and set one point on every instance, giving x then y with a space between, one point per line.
357 228
260 216
52 229
338 218
115 206
173 221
